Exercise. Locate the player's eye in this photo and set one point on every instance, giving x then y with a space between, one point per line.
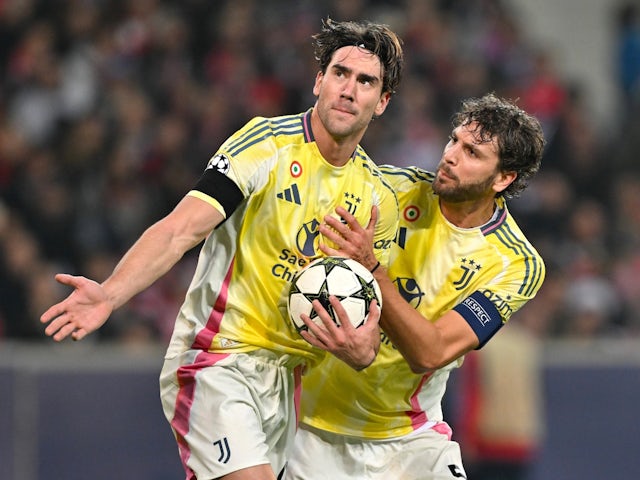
339 72
472 152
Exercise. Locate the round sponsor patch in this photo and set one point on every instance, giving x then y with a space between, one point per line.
411 213
295 169
220 162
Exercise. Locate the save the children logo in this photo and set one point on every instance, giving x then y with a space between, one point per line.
409 290
307 238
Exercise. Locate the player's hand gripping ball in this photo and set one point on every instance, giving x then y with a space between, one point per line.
345 278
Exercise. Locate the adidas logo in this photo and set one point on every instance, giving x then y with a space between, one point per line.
290 194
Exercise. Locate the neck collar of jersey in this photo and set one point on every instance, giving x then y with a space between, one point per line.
306 127
497 219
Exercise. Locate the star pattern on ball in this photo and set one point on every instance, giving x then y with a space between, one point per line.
367 293
341 277
323 298
332 262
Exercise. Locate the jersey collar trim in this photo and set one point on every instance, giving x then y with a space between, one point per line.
497 220
306 127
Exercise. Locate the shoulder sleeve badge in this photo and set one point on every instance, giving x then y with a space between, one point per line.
220 163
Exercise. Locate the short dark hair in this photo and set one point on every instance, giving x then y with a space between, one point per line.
375 37
519 136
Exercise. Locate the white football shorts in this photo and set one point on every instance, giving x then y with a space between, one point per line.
230 411
422 455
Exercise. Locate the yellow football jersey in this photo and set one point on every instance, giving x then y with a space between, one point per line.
485 273
274 188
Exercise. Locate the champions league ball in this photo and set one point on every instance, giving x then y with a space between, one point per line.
345 278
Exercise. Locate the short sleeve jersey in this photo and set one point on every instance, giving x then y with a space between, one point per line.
485 273
274 188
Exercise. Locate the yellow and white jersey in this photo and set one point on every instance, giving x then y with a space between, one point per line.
485 273
274 188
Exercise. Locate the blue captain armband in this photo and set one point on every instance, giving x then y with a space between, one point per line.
481 315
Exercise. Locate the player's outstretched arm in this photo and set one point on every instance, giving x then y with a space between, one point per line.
357 347
160 247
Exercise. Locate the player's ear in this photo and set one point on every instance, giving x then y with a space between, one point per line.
385 98
318 83
503 180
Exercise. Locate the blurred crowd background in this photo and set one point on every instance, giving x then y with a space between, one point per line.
110 109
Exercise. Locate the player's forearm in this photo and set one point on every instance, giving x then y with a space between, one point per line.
153 255
415 337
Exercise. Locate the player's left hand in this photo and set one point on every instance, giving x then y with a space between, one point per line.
357 347
350 238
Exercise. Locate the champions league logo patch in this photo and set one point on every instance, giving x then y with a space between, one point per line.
220 163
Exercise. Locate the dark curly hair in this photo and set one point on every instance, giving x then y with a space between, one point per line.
376 38
519 136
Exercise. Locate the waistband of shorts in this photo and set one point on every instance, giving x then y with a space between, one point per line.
274 358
